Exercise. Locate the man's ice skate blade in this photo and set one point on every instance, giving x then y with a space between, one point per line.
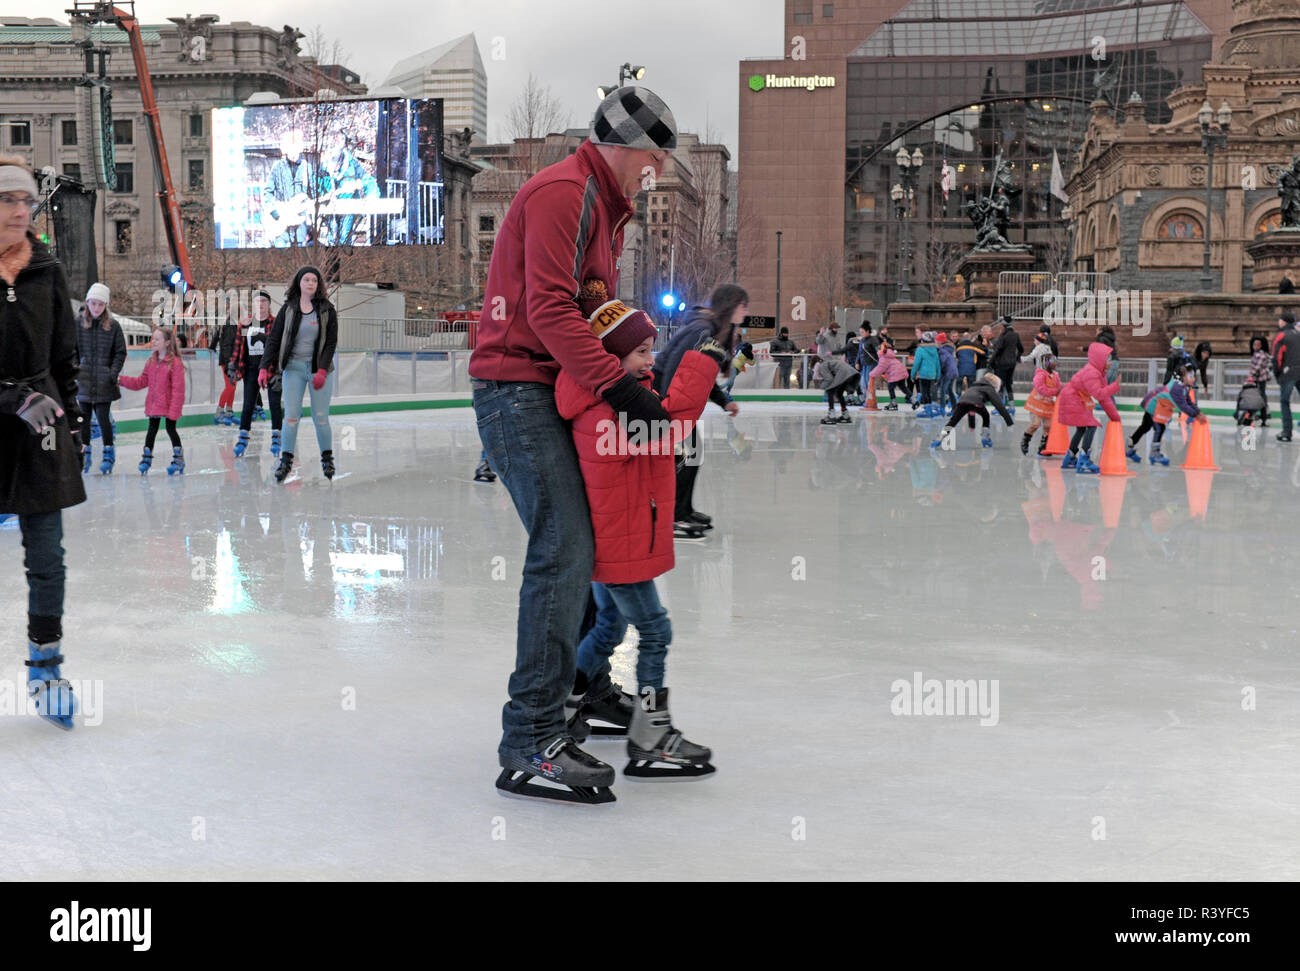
518 784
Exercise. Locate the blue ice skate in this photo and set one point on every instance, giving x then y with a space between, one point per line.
53 695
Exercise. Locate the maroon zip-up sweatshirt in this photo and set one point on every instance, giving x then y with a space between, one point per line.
565 227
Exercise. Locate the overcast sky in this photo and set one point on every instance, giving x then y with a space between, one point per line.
690 47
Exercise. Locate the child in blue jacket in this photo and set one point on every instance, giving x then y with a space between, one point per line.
926 369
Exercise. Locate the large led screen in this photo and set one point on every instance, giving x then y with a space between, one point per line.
329 173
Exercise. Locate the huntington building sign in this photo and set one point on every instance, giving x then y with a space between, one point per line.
759 81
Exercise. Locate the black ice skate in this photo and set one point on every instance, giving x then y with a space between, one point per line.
601 710
561 772
656 750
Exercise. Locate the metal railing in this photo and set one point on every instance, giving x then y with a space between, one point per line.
404 334
428 228
1137 375
1022 293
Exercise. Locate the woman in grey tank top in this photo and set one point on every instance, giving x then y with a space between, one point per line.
301 348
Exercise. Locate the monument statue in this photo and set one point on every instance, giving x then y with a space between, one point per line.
1288 187
991 215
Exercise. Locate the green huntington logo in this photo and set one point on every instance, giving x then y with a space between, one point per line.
758 82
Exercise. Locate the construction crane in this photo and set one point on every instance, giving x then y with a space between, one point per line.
85 14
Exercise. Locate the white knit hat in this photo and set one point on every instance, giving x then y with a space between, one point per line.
98 291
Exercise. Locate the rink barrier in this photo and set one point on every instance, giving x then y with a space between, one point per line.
200 416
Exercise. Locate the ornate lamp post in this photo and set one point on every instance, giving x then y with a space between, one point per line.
904 193
1211 138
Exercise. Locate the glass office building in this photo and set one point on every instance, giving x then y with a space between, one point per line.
970 82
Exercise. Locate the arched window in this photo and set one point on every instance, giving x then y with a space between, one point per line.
1181 225
1269 223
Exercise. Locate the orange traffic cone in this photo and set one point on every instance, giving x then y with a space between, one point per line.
871 396
1200 452
1113 460
1058 439
1199 483
1112 499
1056 489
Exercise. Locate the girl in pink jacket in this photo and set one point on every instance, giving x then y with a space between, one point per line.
164 376
1075 404
894 371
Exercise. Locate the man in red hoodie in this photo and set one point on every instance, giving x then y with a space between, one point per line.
564 229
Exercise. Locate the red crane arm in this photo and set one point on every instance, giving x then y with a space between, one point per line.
171 209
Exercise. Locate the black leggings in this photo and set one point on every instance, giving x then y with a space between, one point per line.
252 393
1007 375
900 386
837 393
100 409
688 467
1147 424
1082 438
964 409
152 433
925 387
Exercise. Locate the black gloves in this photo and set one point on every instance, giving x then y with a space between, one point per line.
632 402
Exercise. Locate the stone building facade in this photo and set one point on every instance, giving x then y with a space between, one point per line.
1139 194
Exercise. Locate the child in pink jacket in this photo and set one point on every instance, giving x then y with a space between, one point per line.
1075 404
164 376
894 371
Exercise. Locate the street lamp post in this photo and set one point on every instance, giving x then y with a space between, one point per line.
1211 138
627 72
904 194
778 280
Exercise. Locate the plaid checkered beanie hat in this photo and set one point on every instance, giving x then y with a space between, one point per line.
634 117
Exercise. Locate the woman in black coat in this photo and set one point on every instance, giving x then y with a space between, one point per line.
300 352
102 349
40 467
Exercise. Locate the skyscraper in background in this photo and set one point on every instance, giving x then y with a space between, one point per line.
453 72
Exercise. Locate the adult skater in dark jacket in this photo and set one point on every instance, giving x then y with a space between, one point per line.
1286 362
783 350
1005 353
564 228
727 307
975 400
40 467
102 349
1201 358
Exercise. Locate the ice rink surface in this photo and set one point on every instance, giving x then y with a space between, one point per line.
305 682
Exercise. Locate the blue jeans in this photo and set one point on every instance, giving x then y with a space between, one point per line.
43 558
530 448
946 393
297 379
621 604
1285 391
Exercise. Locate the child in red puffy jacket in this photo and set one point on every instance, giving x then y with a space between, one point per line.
1075 403
164 376
630 477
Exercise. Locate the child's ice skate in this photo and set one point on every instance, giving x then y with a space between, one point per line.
658 751
1157 457
986 439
